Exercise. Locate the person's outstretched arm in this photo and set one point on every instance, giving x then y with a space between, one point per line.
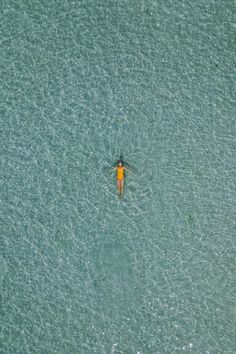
111 169
130 171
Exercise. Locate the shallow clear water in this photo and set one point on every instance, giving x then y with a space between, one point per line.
83 83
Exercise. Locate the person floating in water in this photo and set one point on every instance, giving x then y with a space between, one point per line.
120 175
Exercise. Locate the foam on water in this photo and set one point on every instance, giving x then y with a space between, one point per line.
82 83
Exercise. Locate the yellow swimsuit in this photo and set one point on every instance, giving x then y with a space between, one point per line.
120 173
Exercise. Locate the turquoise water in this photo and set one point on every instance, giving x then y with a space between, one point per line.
83 83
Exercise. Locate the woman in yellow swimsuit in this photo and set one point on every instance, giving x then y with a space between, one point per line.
120 176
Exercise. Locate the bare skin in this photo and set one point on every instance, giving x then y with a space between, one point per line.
120 186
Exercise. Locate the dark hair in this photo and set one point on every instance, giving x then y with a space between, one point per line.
120 161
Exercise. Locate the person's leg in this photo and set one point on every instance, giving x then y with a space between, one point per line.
122 186
118 186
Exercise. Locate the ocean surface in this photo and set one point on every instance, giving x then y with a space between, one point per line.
84 83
